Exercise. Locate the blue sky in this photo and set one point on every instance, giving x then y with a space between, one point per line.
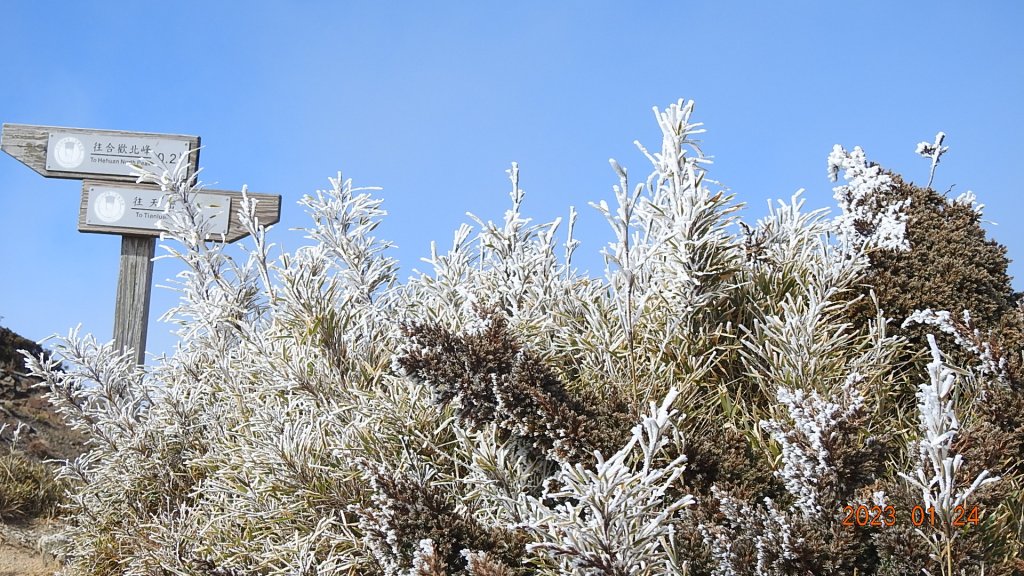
432 101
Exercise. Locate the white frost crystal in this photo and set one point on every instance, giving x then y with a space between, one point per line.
869 219
805 442
932 151
938 474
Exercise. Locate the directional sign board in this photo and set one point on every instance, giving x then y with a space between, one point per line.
111 208
79 153
96 153
110 205
142 209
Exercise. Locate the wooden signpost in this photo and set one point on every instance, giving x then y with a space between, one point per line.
112 203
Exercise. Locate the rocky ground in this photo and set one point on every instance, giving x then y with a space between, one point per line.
46 437
26 547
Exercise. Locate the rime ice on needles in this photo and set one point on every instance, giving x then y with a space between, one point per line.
672 240
969 199
425 561
805 443
615 518
869 219
966 336
767 528
675 180
933 152
343 221
937 474
512 264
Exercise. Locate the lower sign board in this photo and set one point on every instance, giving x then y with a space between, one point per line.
141 208
134 210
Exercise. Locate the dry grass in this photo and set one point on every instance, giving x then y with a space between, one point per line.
28 489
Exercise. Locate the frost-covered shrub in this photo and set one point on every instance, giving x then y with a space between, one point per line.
933 151
950 265
619 518
870 217
938 476
407 510
947 491
810 444
500 413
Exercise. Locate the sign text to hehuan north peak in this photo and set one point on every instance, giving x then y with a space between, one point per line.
100 153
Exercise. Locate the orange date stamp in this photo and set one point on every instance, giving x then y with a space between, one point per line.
882 516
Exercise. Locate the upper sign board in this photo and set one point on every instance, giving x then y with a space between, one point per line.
81 153
108 155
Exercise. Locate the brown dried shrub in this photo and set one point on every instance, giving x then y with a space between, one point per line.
406 510
492 378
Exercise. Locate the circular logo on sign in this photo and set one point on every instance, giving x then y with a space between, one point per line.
108 206
69 152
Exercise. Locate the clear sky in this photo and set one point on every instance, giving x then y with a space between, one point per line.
433 100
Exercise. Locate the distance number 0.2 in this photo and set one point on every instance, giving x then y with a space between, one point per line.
160 155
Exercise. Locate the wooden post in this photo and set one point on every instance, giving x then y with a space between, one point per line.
134 286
